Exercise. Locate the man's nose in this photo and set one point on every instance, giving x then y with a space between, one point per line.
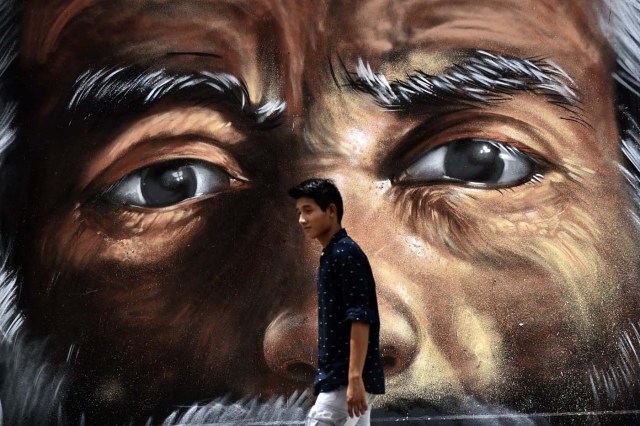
291 343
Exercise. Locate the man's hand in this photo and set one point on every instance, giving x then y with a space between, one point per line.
356 397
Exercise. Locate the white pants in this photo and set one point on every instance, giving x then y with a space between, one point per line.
331 409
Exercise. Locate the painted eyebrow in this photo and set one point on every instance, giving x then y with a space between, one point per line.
483 78
130 90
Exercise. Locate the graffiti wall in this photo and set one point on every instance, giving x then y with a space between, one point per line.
486 152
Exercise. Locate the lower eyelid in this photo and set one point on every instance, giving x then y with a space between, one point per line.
536 179
415 205
135 221
116 214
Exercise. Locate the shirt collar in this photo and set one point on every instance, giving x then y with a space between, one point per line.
340 234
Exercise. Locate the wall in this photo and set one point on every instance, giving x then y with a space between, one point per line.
484 154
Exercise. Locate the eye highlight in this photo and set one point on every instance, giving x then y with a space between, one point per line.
473 162
169 183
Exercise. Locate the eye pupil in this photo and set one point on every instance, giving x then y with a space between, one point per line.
473 160
168 183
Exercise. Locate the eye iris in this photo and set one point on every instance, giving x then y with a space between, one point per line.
168 184
473 161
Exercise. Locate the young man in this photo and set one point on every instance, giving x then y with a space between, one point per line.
349 365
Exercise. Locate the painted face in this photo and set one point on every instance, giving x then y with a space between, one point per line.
314 221
483 185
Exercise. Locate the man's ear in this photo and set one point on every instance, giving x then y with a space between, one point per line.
333 209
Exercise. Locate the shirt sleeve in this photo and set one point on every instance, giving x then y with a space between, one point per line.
353 274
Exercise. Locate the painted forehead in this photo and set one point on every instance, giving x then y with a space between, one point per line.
376 27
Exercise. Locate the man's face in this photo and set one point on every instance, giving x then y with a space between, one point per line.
314 221
482 185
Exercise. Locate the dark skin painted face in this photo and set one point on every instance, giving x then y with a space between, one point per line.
164 246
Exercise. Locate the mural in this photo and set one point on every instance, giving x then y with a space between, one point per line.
153 268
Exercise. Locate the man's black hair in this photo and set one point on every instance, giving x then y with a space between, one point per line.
323 192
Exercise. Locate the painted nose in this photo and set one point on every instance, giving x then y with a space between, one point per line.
398 341
291 344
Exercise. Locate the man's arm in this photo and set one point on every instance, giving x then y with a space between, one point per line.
354 275
356 396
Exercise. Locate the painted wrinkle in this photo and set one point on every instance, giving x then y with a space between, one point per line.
564 238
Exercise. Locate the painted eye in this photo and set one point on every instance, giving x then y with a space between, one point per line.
474 162
169 183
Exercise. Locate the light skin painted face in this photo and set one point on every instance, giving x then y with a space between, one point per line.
160 232
316 223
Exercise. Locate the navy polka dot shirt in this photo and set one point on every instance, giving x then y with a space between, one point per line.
346 293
